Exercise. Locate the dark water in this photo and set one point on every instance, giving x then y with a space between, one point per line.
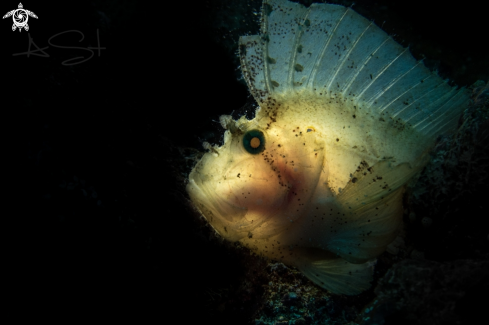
98 219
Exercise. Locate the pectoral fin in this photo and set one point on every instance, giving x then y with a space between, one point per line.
372 204
335 274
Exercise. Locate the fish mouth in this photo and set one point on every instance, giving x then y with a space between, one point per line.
227 219
235 220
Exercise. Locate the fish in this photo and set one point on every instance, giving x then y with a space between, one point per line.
345 122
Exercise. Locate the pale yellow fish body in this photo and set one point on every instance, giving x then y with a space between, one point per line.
339 137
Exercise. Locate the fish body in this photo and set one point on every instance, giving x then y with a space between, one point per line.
346 118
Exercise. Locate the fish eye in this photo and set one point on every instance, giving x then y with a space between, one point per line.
254 141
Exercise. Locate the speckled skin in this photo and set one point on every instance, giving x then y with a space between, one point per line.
326 193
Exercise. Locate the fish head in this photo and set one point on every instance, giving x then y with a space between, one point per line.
345 122
261 178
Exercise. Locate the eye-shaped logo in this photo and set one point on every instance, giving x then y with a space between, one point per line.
20 17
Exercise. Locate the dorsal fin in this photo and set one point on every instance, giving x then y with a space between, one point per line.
333 50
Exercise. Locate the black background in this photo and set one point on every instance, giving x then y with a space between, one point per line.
122 123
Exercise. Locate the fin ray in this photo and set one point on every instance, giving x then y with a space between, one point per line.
332 50
373 218
335 274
